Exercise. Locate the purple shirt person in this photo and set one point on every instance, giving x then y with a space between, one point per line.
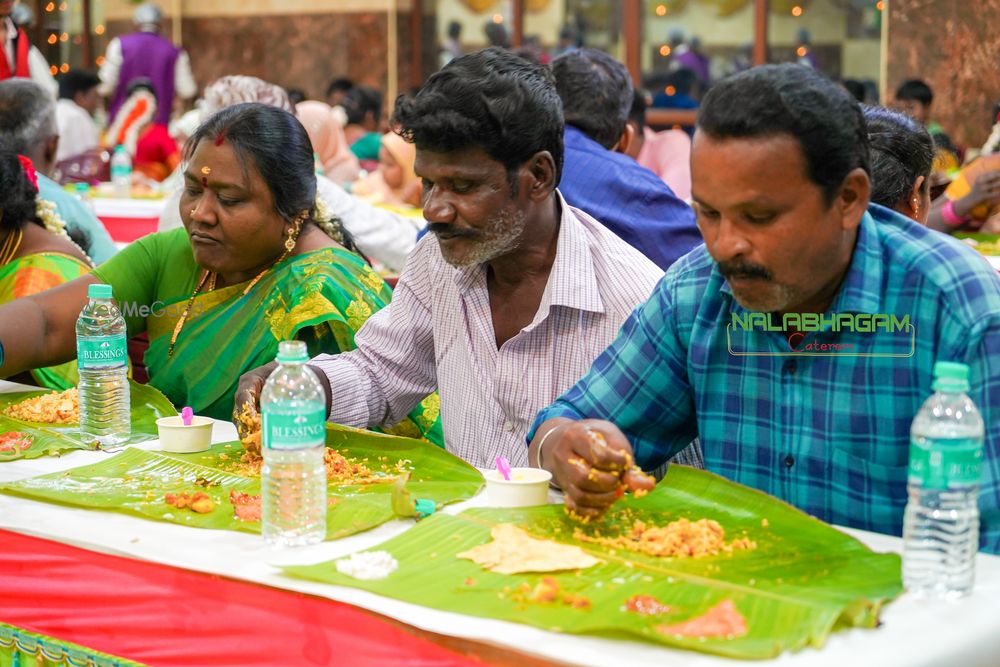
146 54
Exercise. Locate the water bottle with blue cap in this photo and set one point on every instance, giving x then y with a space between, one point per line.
293 477
941 522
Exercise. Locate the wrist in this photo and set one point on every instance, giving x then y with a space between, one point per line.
951 216
539 458
324 381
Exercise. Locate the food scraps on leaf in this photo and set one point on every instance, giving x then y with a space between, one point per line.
14 442
722 620
646 605
368 565
683 538
198 502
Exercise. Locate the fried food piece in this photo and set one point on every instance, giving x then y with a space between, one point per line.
198 502
54 408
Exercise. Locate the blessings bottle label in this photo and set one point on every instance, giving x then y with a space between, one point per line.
96 352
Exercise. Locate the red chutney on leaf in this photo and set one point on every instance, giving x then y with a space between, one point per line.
14 441
646 605
722 620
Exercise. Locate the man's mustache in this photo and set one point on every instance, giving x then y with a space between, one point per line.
443 228
743 270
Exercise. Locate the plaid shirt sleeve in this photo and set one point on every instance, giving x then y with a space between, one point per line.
640 382
983 358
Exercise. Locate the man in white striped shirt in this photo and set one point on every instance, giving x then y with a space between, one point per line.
513 293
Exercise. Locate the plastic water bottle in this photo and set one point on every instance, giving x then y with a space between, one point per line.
941 523
121 173
293 477
102 360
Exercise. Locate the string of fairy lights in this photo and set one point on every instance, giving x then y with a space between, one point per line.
56 18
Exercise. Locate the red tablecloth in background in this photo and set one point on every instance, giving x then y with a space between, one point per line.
126 230
165 616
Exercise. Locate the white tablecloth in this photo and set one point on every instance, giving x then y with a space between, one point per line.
915 633
109 207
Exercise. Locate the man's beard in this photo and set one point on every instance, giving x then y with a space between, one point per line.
765 296
500 236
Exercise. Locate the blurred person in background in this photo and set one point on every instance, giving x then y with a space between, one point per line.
363 105
18 57
666 153
333 155
393 183
78 102
154 152
902 153
598 178
452 47
28 127
145 53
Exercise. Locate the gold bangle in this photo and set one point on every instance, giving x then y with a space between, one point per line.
538 452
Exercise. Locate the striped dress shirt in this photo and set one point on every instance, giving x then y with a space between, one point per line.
437 334
829 430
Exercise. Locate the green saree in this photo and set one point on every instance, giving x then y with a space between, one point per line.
320 297
31 274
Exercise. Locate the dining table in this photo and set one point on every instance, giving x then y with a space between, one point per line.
131 590
128 219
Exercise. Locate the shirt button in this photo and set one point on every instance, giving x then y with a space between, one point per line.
508 426
789 461
791 366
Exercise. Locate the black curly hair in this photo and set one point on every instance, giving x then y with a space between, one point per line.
17 194
492 99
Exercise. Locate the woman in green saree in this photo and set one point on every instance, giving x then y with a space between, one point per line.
258 261
35 253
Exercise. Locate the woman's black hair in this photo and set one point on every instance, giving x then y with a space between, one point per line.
901 152
17 194
492 99
797 101
277 145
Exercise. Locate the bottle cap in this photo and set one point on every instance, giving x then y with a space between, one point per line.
81 188
292 351
99 291
425 507
119 148
950 376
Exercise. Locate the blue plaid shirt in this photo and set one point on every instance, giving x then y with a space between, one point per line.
822 430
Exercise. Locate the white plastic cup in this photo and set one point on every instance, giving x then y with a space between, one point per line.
526 487
178 438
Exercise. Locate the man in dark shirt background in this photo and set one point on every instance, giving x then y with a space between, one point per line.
598 177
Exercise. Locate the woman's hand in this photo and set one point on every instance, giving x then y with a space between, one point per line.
986 189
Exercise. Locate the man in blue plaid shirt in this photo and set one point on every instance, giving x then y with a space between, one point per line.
723 349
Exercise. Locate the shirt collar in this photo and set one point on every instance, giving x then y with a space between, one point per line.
861 289
572 280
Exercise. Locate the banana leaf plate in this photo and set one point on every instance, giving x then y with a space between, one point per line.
804 579
137 482
148 405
